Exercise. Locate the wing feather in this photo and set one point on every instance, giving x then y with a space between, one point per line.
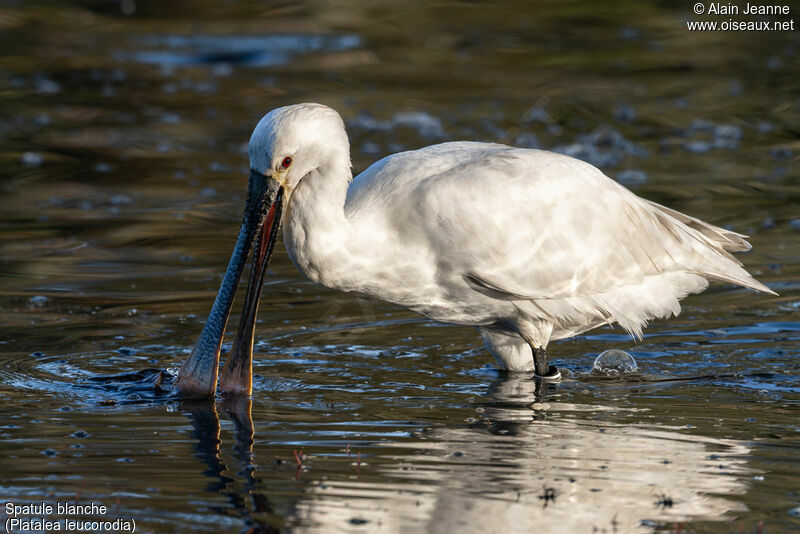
525 225
545 234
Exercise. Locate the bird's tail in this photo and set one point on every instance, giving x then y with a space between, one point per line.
716 262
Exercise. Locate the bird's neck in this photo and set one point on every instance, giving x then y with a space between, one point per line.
316 229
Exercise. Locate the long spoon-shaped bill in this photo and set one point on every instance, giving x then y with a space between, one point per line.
237 376
197 377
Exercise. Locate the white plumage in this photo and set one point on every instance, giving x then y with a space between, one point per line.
527 245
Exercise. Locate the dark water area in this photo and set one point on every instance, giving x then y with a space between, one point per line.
123 136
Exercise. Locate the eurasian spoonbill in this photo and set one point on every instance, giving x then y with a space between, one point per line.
526 245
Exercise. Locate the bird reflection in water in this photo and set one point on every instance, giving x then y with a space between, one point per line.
207 447
533 460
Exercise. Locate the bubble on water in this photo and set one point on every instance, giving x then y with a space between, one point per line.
614 362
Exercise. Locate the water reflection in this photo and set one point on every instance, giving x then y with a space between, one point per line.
244 501
533 464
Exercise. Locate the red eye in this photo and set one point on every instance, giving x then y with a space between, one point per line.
287 162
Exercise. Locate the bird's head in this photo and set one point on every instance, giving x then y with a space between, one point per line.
288 145
293 141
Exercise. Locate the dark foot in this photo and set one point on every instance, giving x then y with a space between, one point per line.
540 364
543 369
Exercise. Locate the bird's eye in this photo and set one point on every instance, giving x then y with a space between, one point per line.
287 162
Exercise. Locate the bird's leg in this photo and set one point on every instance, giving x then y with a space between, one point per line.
540 362
542 366
536 334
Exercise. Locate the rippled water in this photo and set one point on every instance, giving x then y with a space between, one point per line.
122 140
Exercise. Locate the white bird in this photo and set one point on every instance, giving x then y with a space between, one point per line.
528 246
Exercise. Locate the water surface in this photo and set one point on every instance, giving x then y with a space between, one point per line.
123 137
